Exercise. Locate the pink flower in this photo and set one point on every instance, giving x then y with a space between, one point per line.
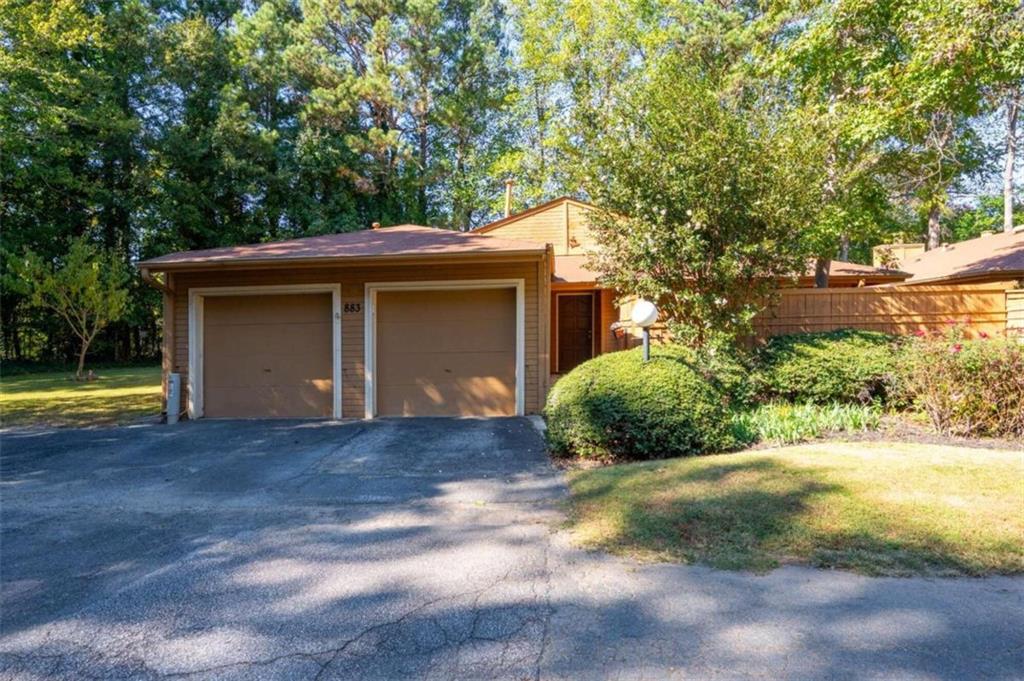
951 321
920 333
982 334
957 347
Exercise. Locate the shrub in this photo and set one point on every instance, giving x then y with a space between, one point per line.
847 365
784 424
616 406
967 387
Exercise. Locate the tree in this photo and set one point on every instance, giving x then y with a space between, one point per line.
1007 93
702 200
86 288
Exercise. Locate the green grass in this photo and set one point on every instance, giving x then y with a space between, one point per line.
874 508
785 424
56 399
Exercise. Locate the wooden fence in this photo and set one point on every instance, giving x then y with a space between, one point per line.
1015 313
892 309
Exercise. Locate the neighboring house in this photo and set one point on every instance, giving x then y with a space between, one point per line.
991 258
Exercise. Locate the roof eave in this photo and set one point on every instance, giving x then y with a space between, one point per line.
251 263
997 275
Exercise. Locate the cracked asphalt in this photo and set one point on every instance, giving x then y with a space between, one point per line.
422 549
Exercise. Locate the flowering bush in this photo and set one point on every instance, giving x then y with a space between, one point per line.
967 387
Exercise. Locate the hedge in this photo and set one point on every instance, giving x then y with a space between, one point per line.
616 406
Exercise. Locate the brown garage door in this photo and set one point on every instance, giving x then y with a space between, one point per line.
446 353
267 356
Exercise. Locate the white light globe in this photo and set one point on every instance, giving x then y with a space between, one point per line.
644 313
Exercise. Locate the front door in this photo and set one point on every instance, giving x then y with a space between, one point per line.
575 330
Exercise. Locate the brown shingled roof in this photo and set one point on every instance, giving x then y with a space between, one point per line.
399 241
991 256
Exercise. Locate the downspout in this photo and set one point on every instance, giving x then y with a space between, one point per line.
167 341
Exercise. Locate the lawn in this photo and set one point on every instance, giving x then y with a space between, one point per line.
875 508
55 399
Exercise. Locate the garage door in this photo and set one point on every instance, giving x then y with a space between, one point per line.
267 356
446 353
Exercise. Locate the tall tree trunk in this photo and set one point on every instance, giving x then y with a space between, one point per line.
81 360
934 239
1012 113
844 247
421 192
821 266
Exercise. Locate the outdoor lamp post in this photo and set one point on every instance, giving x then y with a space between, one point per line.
644 316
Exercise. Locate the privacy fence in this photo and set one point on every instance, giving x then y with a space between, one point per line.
988 308
994 309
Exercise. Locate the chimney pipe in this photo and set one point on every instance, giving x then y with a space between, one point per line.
375 225
508 197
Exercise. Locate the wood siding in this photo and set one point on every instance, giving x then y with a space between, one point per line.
580 239
352 279
563 224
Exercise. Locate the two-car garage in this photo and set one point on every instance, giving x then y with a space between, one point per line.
431 350
397 321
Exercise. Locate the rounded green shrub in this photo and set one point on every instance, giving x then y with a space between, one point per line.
848 365
616 406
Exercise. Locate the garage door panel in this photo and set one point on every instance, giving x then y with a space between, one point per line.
305 401
265 309
409 368
449 305
476 396
449 336
268 356
286 340
266 370
446 352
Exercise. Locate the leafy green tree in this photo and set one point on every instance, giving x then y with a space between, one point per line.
986 215
413 91
703 200
86 288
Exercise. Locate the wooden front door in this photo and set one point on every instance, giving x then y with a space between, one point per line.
575 330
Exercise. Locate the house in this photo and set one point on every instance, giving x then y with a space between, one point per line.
588 319
993 258
399 321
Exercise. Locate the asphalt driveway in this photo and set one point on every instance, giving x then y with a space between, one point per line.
424 548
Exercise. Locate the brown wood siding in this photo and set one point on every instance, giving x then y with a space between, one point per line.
352 280
580 239
543 227
563 225
609 315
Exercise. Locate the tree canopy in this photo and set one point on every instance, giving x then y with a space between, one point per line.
145 126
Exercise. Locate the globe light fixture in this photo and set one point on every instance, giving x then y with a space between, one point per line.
645 314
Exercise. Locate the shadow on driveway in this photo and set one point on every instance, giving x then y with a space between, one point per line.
423 548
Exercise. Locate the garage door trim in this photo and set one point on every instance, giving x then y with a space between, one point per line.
370 330
195 335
